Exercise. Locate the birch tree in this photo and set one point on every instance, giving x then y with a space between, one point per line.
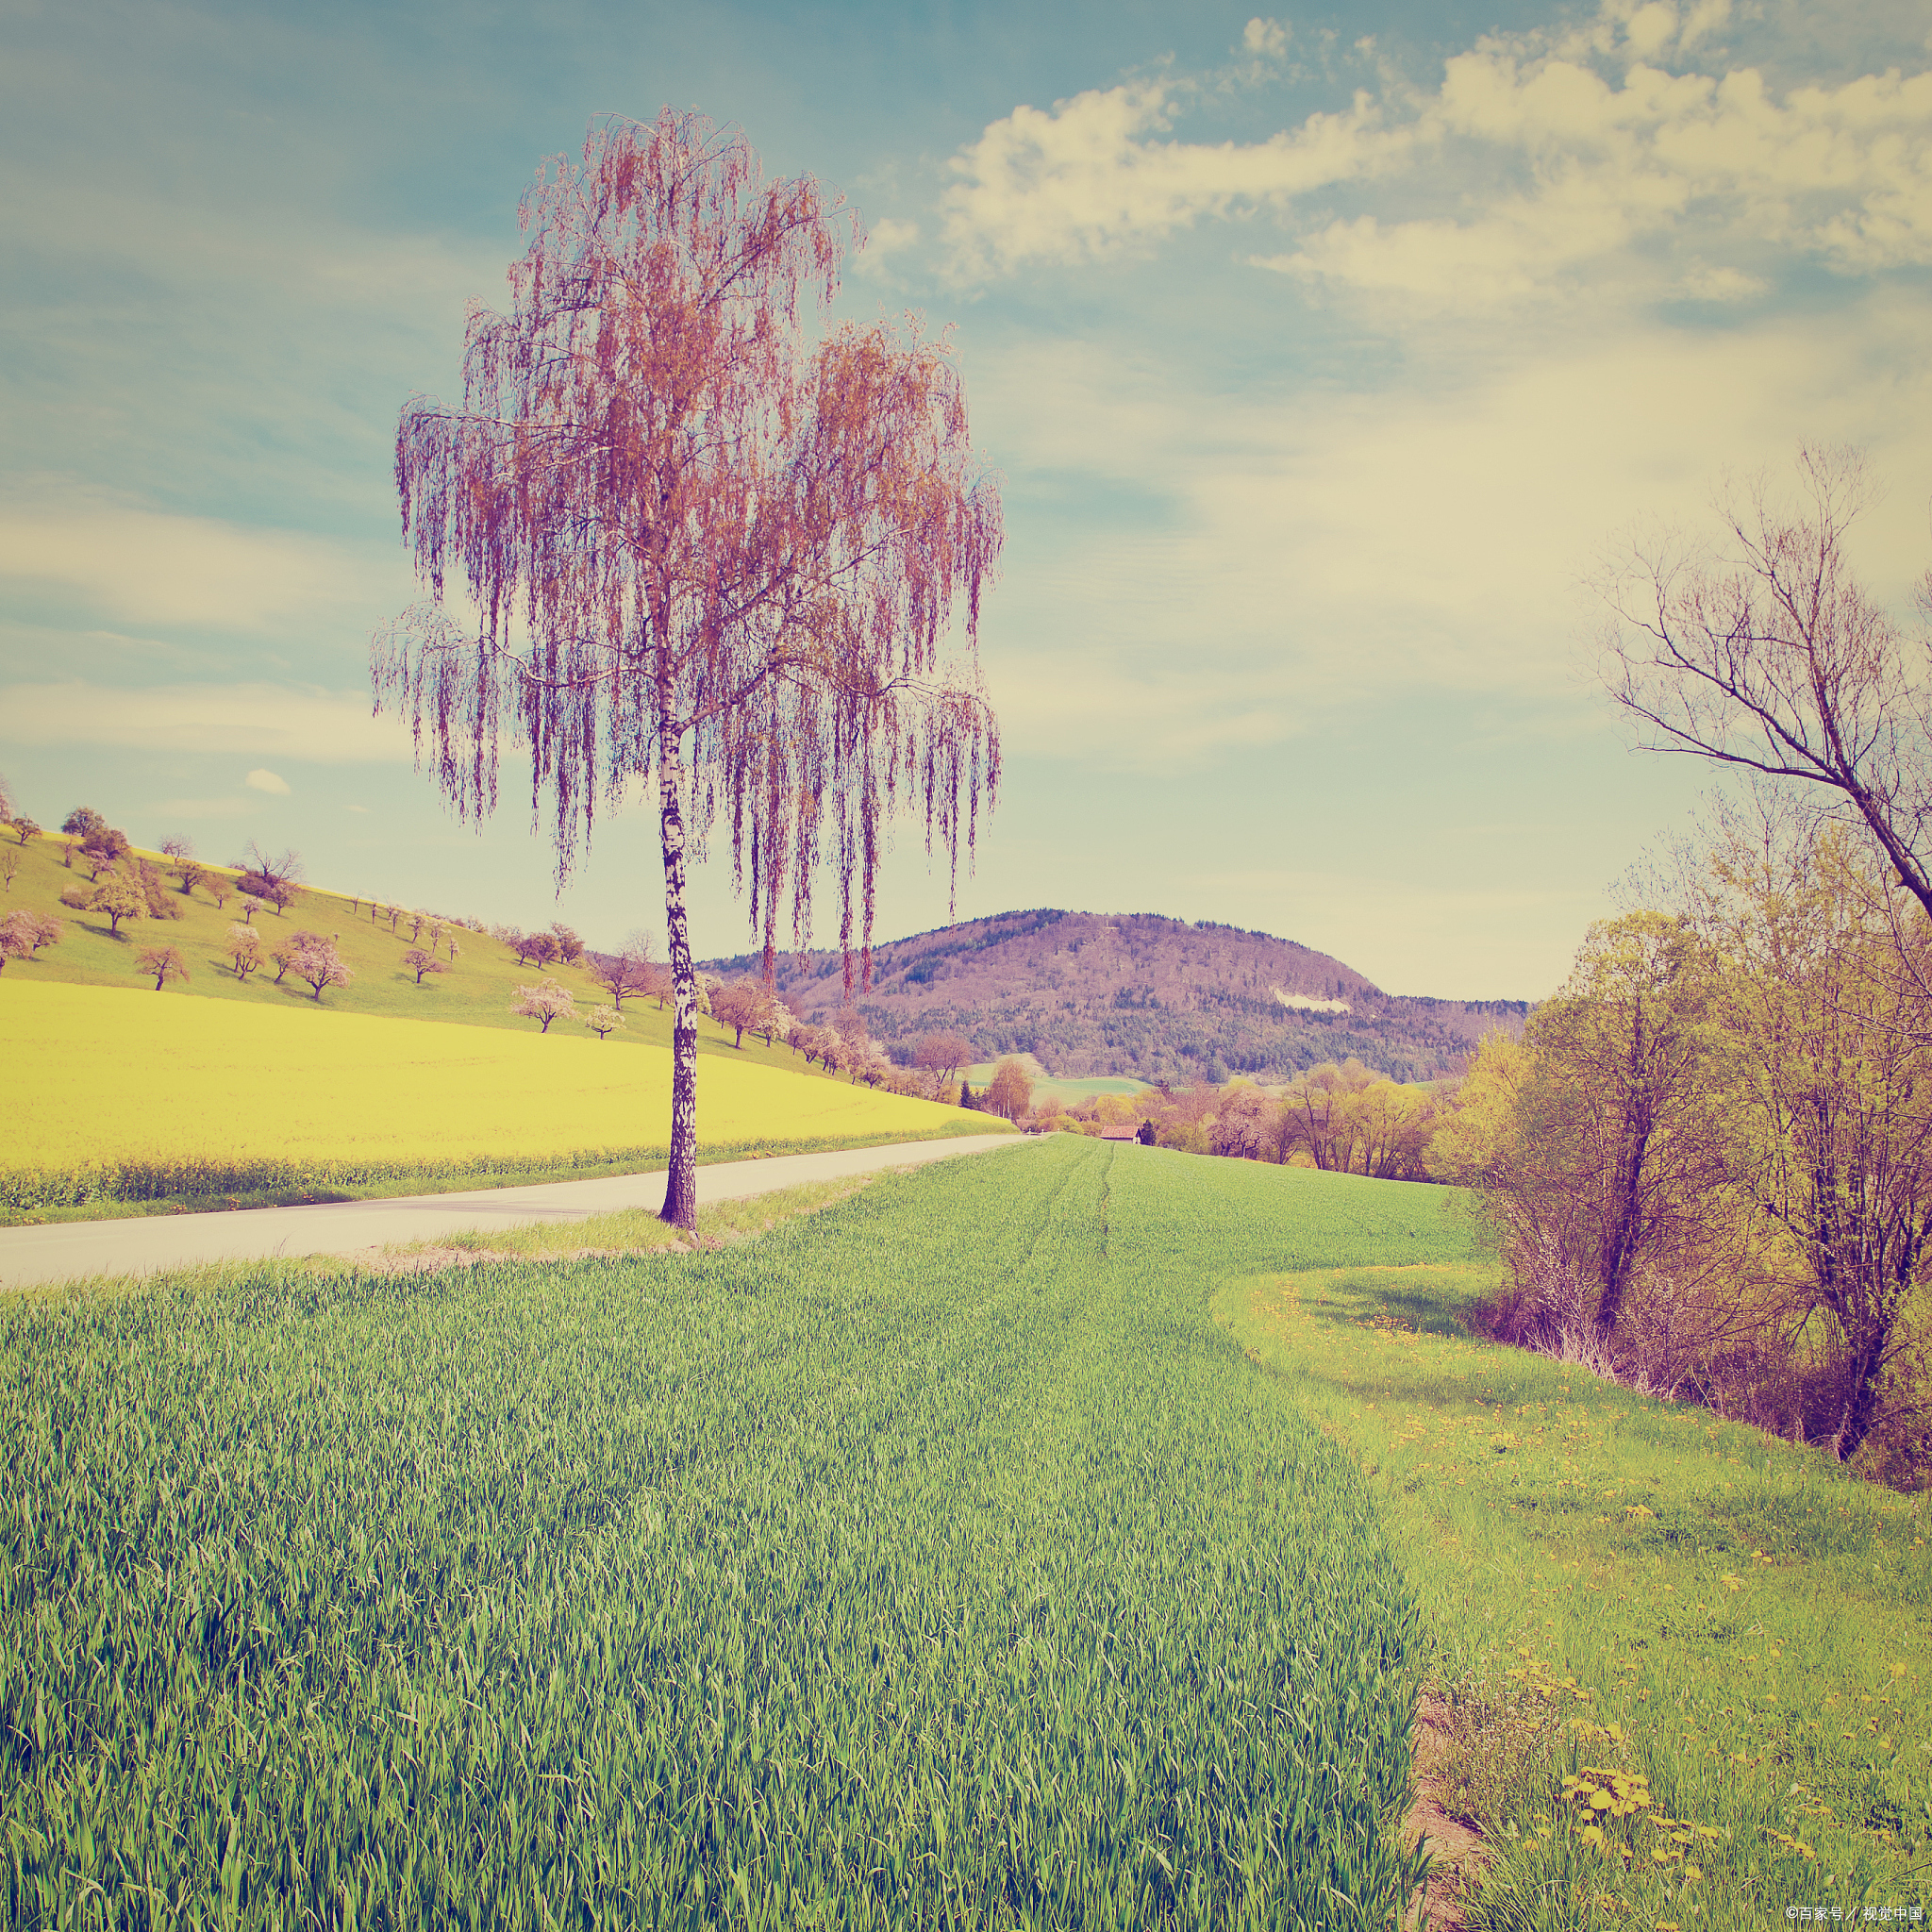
680 541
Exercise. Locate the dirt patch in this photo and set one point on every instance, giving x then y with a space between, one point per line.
1457 1849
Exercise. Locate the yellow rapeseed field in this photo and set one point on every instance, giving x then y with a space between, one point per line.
101 1075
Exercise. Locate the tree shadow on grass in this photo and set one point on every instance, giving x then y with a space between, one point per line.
1432 1298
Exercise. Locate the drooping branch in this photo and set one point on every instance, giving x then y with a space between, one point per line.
1774 659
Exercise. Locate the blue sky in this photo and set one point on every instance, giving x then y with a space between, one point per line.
1322 354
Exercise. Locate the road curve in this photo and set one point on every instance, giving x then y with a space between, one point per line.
74 1250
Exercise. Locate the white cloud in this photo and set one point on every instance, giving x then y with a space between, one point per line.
1555 155
278 720
162 569
1704 284
1298 556
1267 38
885 237
262 779
1087 180
1703 20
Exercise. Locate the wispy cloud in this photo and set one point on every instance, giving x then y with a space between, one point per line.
1318 551
161 568
258 719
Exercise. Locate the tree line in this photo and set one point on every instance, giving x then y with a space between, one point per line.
1708 1164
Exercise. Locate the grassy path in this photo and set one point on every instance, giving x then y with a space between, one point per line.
934 1561
1630 1585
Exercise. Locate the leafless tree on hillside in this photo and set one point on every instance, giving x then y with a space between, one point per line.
944 1054
164 962
1764 653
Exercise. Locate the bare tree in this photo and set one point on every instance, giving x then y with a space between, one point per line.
1317 1116
274 881
548 1000
10 864
744 1006
418 962
177 848
710 556
623 975
944 1054
164 962
1768 655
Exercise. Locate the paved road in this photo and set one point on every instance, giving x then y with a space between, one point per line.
71 1250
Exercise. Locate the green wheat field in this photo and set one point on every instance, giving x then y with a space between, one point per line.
991 1548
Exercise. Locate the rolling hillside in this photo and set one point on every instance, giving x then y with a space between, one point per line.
475 990
1137 993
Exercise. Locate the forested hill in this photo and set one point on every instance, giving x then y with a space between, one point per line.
1137 993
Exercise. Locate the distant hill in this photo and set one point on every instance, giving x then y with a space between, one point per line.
1137 993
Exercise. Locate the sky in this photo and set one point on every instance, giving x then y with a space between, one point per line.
1324 356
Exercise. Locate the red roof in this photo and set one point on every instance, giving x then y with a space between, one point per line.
1128 1133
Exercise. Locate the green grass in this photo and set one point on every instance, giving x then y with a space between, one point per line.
932 1560
164 1188
476 992
1751 1619
639 1230
1052 1540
